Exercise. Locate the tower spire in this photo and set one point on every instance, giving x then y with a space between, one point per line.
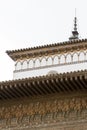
74 32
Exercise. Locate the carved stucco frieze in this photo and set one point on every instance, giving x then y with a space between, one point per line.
41 112
42 108
62 59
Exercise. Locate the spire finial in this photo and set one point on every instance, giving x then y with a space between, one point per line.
75 12
74 32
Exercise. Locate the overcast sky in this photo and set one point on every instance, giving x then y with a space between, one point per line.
28 23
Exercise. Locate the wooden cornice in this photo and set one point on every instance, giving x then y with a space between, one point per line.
48 49
43 85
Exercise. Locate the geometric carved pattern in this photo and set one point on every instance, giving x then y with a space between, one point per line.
37 114
42 108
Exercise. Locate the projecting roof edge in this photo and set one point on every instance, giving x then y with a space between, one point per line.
46 77
44 85
47 46
46 49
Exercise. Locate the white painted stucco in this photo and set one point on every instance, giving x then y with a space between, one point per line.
45 71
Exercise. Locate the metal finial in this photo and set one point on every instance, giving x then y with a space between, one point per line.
74 32
75 24
75 12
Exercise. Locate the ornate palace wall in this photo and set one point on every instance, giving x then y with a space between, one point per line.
42 65
59 112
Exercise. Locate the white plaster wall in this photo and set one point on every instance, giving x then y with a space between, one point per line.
45 71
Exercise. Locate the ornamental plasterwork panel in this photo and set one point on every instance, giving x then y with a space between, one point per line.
45 110
37 113
51 60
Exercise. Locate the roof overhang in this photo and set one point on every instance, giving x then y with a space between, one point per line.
44 85
48 49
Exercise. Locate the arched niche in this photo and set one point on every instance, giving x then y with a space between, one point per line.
75 57
37 63
43 62
49 61
68 58
31 64
81 56
24 64
55 61
62 59
18 66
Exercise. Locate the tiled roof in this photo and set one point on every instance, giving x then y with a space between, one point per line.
37 78
48 45
42 50
42 85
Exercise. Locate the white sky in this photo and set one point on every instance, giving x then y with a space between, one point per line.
27 23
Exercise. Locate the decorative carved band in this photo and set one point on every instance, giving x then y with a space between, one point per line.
51 60
43 108
36 114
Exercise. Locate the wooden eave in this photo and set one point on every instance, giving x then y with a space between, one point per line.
48 49
44 85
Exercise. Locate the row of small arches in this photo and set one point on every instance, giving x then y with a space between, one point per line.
51 60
